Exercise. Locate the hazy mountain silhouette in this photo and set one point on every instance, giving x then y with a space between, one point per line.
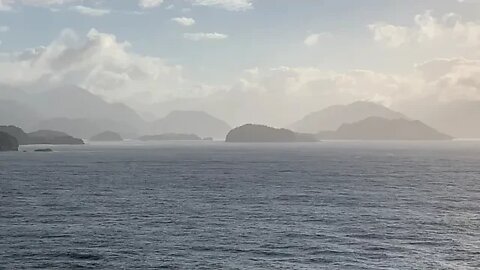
8 142
12 93
69 109
171 137
459 118
333 117
107 136
13 112
262 133
52 137
191 122
74 102
377 128
86 128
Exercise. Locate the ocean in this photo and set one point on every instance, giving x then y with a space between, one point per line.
214 205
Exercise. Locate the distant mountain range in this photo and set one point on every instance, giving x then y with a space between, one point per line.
69 109
76 111
333 117
377 128
187 122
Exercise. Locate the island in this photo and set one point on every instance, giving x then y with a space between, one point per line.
16 132
171 137
43 150
52 137
251 133
8 142
377 128
107 136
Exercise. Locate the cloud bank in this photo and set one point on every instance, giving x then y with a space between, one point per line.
98 62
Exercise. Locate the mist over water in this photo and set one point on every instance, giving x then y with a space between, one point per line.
208 205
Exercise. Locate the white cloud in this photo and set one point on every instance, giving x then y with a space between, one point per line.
232 5
314 39
98 62
150 3
184 21
7 5
451 78
449 30
204 36
4 28
94 12
272 95
391 35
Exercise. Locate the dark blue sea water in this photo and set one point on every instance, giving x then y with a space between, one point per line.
256 206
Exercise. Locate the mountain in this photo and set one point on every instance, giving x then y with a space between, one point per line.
39 137
171 137
377 128
15 113
52 137
70 109
8 142
107 136
196 122
261 133
333 117
459 118
16 132
87 127
74 102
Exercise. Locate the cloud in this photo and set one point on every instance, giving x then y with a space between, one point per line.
231 5
391 35
272 95
94 12
5 5
8 5
4 28
451 78
98 62
314 39
450 30
184 21
204 36
150 3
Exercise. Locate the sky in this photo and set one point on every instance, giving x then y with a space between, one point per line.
269 61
